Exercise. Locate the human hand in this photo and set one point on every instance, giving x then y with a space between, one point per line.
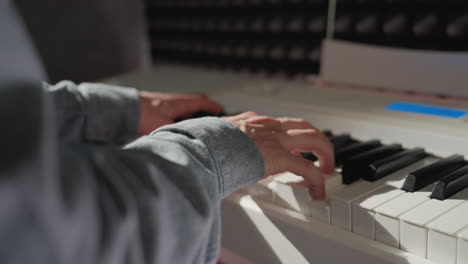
280 140
158 109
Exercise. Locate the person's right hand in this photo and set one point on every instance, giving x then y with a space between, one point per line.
280 140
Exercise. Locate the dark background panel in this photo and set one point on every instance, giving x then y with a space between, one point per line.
284 36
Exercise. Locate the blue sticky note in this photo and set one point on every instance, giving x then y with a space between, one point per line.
426 110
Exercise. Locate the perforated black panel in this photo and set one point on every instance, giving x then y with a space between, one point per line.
285 35
414 24
274 36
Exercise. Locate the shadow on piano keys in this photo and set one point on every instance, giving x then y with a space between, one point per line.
417 209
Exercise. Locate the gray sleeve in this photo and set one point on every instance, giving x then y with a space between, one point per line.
154 201
95 112
222 147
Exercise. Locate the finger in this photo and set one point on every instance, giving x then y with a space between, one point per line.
294 123
299 123
306 140
308 171
196 104
241 116
246 114
265 121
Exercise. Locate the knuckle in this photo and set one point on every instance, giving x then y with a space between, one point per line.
270 119
260 119
277 135
283 120
301 120
310 132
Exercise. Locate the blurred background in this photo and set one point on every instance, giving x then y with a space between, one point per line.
89 40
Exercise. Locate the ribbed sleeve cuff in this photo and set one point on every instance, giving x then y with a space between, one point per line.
236 156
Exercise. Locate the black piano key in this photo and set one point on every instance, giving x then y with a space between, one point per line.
353 167
340 140
422 177
200 114
451 184
341 154
383 167
309 156
327 133
204 114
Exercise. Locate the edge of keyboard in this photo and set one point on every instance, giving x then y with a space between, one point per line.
279 235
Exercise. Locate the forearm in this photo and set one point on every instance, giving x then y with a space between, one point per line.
172 182
95 112
155 201
216 145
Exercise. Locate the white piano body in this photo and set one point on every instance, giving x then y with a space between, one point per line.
276 222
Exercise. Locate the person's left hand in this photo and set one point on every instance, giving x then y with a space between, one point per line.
158 109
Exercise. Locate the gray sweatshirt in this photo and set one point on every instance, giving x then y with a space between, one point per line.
70 194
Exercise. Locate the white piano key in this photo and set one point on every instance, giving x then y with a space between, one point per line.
291 192
387 221
443 235
462 257
341 202
263 189
364 209
333 182
413 224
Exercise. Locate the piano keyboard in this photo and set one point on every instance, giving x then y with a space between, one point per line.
404 198
382 191
387 194
396 210
399 194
